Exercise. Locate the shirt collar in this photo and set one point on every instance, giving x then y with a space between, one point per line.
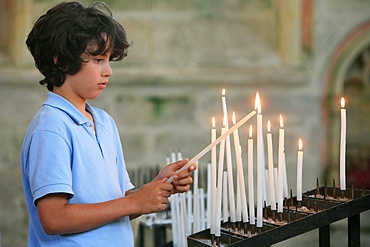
57 101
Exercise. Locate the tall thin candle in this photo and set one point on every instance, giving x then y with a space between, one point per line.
240 173
299 170
250 178
260 160
229 162
213 179
219 184
342 159
270 159
196 226
280 167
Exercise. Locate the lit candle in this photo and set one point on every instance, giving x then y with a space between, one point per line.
250 178
342 159
210 146
213 179
219 184
240 173
299 170
281 167
229 162
260 162
270 159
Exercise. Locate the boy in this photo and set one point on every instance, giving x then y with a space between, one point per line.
77 190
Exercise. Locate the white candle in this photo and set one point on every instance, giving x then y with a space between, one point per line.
244 196
240 173
276 183
260 164
267 185
285 178
225 205
210 146
202 223
250 178
281 167
196 202
189 200
184 219
208 195
299 170
270 159
342 159
175 227
229 162
213 182
219 185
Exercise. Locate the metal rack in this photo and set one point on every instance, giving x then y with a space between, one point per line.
318 209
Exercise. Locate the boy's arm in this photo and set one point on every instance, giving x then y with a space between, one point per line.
59 217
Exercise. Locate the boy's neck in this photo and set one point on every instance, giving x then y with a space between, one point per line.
78 102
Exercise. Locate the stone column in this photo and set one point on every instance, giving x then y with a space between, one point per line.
14 32
288 13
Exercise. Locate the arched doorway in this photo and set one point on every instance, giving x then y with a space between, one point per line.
348 75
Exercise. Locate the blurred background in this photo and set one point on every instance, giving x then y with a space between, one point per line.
301 56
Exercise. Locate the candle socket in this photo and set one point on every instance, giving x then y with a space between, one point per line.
218 242
317 186
238 226
273 213
213 242
299 204
334 190
233 226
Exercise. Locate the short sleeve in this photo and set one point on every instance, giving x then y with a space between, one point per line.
49 168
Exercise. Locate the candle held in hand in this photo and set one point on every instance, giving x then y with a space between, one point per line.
210 146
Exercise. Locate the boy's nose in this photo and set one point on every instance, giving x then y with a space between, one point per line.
108 70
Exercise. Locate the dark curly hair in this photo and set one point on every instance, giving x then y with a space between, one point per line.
59 38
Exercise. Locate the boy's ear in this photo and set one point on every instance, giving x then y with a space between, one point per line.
55 60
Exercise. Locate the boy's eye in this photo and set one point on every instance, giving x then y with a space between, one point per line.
98 60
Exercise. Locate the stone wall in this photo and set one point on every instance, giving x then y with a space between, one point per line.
165 92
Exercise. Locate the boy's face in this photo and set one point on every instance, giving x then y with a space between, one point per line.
90 81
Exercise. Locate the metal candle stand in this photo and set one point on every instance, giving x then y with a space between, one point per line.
317 210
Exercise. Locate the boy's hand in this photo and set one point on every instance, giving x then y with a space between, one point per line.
181 181
153 197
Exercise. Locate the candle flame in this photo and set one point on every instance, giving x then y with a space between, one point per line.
250 131
300 144
234 118
225 120
268 126
213 122
223 92
257 103
281 122
342 102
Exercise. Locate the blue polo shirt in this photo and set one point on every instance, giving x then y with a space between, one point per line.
62 154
